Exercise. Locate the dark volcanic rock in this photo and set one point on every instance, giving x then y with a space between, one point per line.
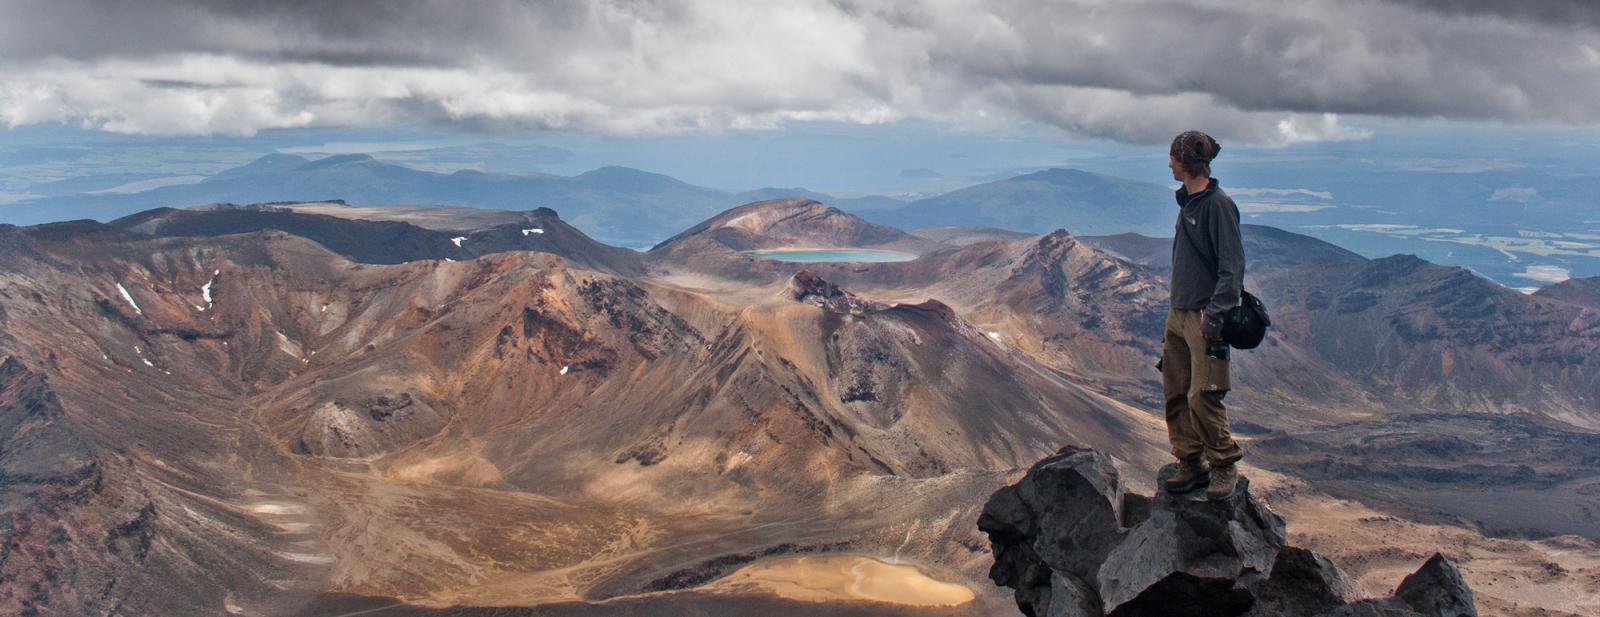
1070 597
1078 496
1068 506
1302 583
1437 589
1434 590
1371 608
1052 530
1192 551
807 286
1058 542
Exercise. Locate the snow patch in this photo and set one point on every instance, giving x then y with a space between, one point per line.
532 231
564 369
733 222
129 298
994 335
147 363
205 290
277 508
289 347
458 240
306 557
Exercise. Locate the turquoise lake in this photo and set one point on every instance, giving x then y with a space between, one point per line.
818 255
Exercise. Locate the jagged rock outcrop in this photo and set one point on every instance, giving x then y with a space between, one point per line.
807 286
1073 544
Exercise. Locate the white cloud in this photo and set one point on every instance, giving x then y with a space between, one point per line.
1300 128
1548 274
1519 195
1457 166
1398 229
145 185
1273 192
1155 118
11 198
1248 71
1256 207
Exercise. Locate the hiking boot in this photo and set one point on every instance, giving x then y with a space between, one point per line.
1190 475
1223 479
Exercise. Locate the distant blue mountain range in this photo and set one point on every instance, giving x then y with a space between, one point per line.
624 206
1081 202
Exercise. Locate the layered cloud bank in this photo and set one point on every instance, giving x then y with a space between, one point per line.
1254 71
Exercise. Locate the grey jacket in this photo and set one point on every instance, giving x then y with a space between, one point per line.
1207 233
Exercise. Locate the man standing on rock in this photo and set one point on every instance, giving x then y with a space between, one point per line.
1207 275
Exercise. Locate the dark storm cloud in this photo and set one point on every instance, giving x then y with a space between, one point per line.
1561 13
1256 71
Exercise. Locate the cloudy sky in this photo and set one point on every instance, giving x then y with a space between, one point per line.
1267 73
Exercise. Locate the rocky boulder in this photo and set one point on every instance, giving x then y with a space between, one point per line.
807 286
1072 543
1437 589
1052 530
1434 590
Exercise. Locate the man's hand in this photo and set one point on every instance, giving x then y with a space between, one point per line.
1211 328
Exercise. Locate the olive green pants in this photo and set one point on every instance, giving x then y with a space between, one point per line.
1193 385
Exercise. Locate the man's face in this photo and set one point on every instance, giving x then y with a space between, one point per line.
1177 169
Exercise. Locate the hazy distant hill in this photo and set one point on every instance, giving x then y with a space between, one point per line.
623 206
620 205
395 234
629 207
851 204
962 236
719 244
1081 202
1580 291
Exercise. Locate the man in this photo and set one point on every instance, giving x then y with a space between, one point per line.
1207 274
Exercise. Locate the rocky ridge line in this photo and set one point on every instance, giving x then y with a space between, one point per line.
1073 543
